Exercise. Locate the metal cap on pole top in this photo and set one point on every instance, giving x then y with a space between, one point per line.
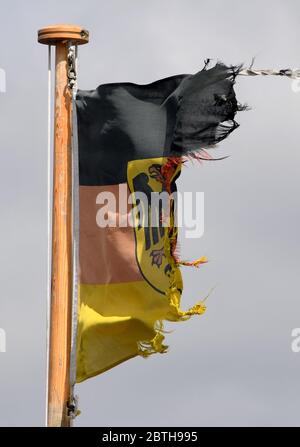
59 403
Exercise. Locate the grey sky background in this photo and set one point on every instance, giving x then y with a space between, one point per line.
234 365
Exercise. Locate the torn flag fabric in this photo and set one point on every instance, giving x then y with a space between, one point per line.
133 140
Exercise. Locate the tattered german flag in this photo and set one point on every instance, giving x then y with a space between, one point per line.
133 139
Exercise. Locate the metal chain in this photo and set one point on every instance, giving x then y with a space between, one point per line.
73 410
72 72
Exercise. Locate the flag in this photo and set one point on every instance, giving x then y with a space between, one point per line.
133 140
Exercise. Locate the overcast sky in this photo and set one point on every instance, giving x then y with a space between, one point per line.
234 365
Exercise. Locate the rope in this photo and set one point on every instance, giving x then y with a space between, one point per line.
49 227
288 72
72 75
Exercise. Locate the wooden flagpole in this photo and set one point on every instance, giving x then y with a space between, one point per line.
61 36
